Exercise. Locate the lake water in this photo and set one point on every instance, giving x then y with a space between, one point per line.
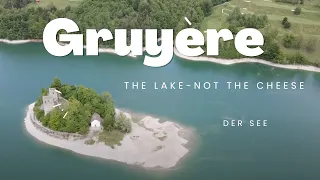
288 148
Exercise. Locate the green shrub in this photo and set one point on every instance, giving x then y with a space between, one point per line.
111 138
89 142
285 19
82 104
311 44
291 41
297 11
297 58
287 25
123 124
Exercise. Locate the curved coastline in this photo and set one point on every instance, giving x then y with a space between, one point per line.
139 147
199 58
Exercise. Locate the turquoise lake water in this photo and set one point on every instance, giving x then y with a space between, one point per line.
287 149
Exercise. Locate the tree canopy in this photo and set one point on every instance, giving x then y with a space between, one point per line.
20 22
82 104
297 11
28 23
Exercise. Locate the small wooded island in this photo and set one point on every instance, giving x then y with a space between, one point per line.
76 109
79 119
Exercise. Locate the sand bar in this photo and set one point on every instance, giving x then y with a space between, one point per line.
150 144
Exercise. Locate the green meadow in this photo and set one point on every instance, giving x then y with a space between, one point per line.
306 25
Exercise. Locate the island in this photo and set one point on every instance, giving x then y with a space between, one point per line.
79 119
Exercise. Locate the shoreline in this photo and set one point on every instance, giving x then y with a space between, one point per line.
139 147
17 42
246 60
199 58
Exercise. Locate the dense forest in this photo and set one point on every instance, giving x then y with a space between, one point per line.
20 22
10 4
28 23
82 104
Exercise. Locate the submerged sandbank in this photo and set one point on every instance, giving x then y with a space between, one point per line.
199 58
150 144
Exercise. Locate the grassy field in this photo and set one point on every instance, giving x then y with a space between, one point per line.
307 24
58 3
111 138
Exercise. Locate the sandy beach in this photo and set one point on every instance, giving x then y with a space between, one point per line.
199 58
151 144
19 41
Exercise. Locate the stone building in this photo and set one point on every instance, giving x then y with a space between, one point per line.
96 122
52 100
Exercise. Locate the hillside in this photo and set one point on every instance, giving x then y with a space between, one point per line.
303 34
291 28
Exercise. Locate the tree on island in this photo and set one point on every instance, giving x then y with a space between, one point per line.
56 83
82 104
123 123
